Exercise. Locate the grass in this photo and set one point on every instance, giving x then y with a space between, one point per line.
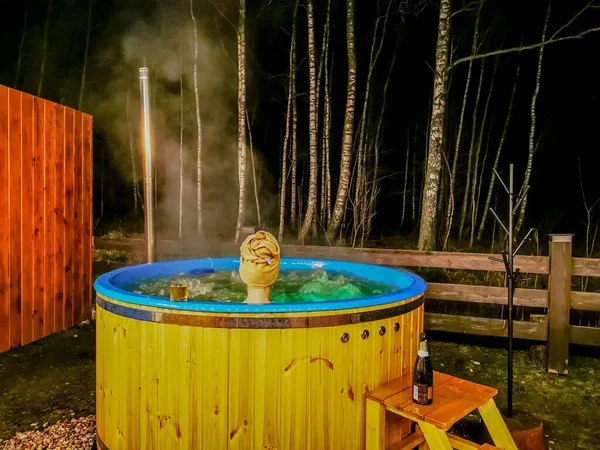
569 406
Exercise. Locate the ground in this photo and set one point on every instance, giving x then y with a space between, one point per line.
53 379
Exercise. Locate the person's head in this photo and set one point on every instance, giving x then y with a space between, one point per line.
259 265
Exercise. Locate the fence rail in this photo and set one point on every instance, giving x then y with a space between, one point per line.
560 266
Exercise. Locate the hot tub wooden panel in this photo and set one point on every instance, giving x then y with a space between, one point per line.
177 386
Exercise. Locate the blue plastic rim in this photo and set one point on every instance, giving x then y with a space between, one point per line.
109 285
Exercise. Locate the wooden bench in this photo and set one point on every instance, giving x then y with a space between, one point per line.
453 399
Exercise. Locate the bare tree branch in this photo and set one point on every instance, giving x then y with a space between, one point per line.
469 7
522 48
223 15
572 20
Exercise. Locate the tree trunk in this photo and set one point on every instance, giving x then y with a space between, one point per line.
20 57
488 199
102 187
200 229
532 145
180 234
294 162
132 153
480 184
477 153
414 180
311 204
465 202
405 177
44 46
326 137
346 157
377 142
85 56
287 130
360 190
254 182
451 202
436 143
323 213
241 49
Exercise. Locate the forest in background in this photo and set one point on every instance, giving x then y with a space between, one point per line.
327 121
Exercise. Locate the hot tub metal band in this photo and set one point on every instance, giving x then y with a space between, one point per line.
196 320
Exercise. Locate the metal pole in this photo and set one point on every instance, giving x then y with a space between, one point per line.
510 291
148 171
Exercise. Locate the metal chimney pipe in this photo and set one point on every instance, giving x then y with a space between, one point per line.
148 171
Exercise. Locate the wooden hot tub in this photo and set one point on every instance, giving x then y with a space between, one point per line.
206 375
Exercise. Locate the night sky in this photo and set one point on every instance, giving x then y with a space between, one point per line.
568 106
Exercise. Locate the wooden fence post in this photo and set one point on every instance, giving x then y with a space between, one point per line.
559 303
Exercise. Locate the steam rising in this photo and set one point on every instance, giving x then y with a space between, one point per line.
167 44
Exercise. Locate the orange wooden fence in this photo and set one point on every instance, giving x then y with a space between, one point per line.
45 217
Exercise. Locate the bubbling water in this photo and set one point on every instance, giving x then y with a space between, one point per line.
291 286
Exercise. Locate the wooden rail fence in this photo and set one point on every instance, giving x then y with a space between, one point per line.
45 217
560 266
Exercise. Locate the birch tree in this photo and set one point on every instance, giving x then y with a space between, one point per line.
377 141
361 197
335 223
44 47
132 153
452 175
465 202
288 118
181 110
241 50
488 199
311 204
531 143
85 55
477 153
436 134
323 67
20 57
198 125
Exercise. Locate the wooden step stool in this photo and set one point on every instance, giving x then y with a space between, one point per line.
453 399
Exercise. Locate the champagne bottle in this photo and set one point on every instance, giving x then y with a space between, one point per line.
423 375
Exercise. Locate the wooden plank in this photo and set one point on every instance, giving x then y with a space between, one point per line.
459 443
77 219
559 289
14 137
381 393
486 294
27 219
4 223
58 218
485 327
38 224
69 231
401 402
585 301
87 176
410 442
496 426
586 267
415 258
49 147
390 257
436 438
375 426
471 398
585 335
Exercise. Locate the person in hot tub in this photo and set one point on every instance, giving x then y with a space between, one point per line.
259 265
